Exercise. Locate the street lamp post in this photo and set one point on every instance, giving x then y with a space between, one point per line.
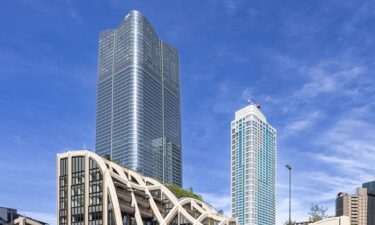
290 192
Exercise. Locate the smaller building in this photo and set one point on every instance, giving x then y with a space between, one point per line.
301 223
22 220
360 207
353 206
342 220
9 216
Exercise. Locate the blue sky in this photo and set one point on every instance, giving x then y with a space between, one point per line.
309 63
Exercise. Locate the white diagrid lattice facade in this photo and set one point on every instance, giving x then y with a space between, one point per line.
93 190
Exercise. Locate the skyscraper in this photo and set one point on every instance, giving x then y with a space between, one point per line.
253 167
138 100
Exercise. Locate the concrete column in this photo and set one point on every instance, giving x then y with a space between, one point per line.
57 188
105 197
87 182
69 183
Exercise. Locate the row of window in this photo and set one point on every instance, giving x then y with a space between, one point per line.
95 194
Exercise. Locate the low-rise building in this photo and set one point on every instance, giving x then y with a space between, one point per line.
95 191
360 207
23 220
9 216
342 220
301 223
353 206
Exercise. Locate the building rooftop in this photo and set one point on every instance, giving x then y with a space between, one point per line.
370 186
253 109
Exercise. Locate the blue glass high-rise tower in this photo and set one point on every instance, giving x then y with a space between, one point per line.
138 100
253 167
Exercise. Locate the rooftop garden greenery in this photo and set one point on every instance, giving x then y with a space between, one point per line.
176 190
180 193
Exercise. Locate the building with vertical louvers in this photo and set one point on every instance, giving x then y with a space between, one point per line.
359 207
353 206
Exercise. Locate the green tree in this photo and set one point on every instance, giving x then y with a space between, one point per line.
317 212
179 192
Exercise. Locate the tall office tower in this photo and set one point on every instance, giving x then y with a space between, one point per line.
253 167
138 100
354 206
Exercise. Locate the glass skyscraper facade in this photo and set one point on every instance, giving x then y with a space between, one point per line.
138 100
253 167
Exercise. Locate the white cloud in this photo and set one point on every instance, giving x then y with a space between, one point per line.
350 147
327 78
340 162
343 159
230 97
317 86
317 187
219 202
247 94
232 5
303 122
351 27
339 155
299 210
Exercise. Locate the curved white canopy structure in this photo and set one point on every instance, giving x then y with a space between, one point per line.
93 190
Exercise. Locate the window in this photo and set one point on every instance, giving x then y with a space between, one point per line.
78 190
95 194
63 190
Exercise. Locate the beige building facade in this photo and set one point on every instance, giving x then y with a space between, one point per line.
353 206
22 220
